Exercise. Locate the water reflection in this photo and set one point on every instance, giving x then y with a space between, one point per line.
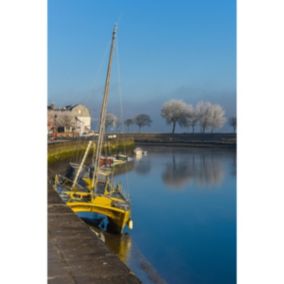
143 166
234 166
200 248
120 245
202 168
123 168
127 252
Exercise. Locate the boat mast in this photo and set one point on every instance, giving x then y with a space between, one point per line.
81 166
103 117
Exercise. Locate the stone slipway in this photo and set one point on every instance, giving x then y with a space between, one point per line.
76 254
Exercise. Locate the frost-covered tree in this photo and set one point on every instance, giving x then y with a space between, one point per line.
176 111
187 116
192 119
128 122
217 117
210 115
142 120
203 114
233 122
111 121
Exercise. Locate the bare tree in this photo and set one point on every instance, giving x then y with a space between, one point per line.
176 111
128 122
142 120
111 121
233 122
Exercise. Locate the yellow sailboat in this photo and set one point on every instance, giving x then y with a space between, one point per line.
91 194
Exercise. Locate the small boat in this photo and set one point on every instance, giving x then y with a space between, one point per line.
139 152
113 161
123 157
89 190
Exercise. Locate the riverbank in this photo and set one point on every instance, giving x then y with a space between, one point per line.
128 141
226 140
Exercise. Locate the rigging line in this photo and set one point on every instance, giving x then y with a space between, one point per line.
99 69
120 102
119 89
97 118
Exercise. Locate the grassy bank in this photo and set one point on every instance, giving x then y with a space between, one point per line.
67 149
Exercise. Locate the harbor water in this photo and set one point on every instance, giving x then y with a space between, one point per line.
184 212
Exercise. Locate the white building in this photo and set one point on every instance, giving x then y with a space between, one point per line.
69 118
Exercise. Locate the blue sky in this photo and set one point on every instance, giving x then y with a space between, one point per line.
182 49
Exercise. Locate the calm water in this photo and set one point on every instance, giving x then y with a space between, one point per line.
184 212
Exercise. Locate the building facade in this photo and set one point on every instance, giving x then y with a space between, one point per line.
69 119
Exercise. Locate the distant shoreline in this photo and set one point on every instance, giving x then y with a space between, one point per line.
198 140
208 140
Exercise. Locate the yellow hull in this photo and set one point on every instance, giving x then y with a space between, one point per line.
110 203
103 205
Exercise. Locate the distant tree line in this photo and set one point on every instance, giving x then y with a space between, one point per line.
204 116
141 120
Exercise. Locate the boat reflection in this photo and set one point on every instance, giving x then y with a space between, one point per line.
143 166
119 244
202 168
124 168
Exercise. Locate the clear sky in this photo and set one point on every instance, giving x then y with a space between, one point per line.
171 49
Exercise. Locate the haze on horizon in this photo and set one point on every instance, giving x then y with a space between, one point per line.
165 50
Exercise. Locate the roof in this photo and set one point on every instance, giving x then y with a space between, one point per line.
76 109
70 107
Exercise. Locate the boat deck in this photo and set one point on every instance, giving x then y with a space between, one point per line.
76 254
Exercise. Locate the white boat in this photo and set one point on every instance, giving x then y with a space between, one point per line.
139 152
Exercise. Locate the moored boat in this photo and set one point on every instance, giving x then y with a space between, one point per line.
89 190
